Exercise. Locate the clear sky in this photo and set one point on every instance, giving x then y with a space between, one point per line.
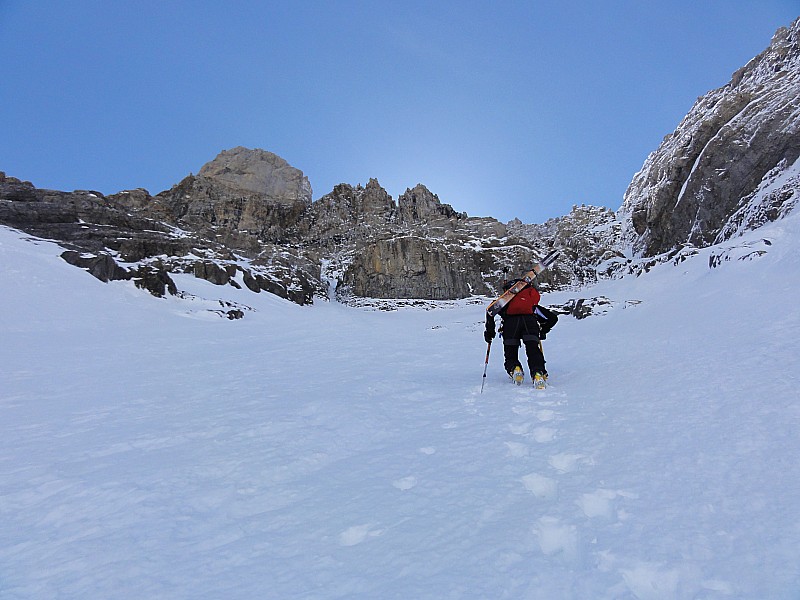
502 108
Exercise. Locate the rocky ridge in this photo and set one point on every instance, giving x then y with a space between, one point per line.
247 219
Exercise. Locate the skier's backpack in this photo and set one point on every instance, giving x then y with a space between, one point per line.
523 302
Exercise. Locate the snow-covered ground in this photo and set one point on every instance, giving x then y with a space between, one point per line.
151 449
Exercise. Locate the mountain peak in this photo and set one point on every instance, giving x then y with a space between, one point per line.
260 172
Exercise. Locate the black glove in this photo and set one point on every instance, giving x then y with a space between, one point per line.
488 336
542 335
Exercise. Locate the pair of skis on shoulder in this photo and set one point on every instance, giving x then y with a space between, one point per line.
498 304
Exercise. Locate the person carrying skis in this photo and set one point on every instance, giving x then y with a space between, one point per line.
523 322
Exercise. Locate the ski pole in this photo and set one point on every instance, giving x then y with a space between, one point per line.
486 364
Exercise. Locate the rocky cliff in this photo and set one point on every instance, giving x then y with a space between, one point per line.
734 141
415 248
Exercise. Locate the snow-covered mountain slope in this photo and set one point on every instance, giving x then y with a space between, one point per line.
150 449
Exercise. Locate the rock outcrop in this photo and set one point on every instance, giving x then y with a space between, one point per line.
86 220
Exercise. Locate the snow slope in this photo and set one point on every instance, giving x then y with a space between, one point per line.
150 449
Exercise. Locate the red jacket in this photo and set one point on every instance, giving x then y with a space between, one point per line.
524 302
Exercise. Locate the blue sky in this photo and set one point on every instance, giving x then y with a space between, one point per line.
503 109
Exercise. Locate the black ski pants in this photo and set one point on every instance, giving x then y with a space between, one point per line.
517 330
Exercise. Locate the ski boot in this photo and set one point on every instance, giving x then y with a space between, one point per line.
518 375
540 381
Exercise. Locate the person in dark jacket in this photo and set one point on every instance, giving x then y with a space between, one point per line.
523 322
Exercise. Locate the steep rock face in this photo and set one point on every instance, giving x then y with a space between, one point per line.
733 140
406 267
413 266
